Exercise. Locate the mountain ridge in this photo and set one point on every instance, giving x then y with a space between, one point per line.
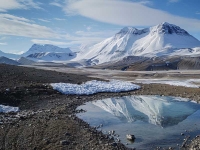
9 55
49 52
156 41
38 48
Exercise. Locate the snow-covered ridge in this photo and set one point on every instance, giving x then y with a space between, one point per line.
166 28
49 53
6 109
92 87
36 48
161 40
132 30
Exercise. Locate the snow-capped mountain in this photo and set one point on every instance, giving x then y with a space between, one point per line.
36 48
159 40
9 55
49 53
159 111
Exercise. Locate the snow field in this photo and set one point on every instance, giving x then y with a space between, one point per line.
94 86
193 83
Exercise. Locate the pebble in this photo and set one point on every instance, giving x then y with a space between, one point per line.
114 144
64 142
67 134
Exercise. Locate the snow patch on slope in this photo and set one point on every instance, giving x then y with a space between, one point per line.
92 87
6 109
50 56
193 83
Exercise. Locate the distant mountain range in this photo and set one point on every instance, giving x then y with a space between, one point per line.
9 55
5 60
42 53
161 45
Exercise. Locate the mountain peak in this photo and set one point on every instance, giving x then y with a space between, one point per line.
37 48
45 45
128 30
167 28
166 23
132 30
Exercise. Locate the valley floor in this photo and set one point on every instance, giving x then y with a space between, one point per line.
49 120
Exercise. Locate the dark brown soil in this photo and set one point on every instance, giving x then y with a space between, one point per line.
54 124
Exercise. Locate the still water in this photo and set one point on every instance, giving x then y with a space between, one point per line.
154 120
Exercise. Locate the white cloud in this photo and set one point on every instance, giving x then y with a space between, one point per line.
83 33
43 20
11 17
55 4
88 37
198 13
59 19
89 28
174 1
58 43
17 4
126 13
3 43
81 37
73 41
18 26
82 40
146 2
3 38
30 4
96 34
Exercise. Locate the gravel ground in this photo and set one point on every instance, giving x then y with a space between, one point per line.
47 119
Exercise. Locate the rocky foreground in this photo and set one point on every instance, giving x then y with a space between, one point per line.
47 119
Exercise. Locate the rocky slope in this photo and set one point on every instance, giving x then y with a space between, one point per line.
5 60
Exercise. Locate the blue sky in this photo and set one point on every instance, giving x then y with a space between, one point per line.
71 23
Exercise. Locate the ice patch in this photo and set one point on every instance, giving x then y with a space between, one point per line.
92 87
193 83
6 109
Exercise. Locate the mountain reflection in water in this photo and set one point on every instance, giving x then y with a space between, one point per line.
154 120
162 111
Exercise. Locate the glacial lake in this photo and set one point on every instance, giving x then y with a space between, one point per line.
156 121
